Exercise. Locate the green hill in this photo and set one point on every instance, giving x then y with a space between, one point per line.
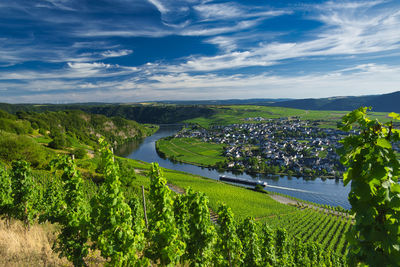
380 103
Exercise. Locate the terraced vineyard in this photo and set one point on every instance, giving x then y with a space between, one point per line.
311 225
306 223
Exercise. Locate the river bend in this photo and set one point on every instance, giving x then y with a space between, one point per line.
329 191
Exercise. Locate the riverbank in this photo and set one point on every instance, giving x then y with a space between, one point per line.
210 155
322 191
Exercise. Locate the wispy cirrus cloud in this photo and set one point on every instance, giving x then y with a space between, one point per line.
119 53
233 11
196 49
72 70
361 79
348 29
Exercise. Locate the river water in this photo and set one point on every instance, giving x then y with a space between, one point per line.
327 191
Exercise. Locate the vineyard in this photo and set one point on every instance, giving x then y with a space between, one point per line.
243 202
326 229
128 216
111 220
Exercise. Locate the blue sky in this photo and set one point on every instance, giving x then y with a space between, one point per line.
62 51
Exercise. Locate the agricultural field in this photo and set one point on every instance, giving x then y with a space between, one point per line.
226 115
190 150
307 224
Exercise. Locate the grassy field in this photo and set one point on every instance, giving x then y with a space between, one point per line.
242 201
226 115
191 150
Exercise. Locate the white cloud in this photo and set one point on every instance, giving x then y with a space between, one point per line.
360 79
56 4
227 11
227 61
204 30
119 53
219 11
365 79
149 31
89 66
73 70
349 29
159 6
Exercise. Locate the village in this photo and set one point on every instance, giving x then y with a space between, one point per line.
279 146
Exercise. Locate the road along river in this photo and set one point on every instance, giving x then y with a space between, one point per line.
327 191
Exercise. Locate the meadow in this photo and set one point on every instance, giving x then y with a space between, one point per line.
225 115
191 150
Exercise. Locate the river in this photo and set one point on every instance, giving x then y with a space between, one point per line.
327 191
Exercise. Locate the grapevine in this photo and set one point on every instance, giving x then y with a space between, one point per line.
373 170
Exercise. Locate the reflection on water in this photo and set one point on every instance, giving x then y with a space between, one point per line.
126 149
323 191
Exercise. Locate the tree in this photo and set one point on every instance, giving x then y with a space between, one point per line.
80 153
58 141
373 170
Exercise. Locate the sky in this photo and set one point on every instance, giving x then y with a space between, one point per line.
65 51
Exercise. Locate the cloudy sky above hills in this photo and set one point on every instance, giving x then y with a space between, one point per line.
129 50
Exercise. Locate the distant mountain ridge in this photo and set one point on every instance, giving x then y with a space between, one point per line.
252 101
147 112
379 103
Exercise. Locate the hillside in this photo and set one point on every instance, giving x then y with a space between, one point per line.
142 113
167 112
36 137
379 103
28 135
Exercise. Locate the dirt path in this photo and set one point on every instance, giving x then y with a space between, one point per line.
288 201
283 200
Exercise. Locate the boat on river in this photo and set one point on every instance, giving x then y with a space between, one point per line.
242 181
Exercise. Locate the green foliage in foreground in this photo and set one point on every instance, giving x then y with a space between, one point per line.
118 235
374 171
327 229
111 230
23 192
116 225
229 245
165 243
74 214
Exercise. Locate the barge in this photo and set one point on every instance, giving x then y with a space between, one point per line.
242 181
